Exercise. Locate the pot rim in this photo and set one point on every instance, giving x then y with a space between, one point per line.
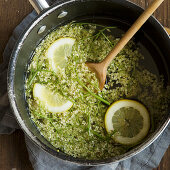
11 95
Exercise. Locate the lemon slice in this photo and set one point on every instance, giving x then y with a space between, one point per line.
53 102
58 52
130 120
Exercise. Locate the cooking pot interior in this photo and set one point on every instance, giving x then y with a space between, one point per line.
151 39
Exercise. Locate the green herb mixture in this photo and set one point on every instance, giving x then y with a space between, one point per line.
80 131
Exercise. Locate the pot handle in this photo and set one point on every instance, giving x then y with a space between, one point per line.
39 5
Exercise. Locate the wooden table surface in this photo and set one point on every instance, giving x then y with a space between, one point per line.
13 153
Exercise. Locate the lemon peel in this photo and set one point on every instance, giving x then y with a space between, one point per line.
58 52
53 102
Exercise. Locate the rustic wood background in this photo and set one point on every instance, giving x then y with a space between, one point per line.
13 153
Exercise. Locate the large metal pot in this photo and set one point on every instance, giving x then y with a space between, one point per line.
152 36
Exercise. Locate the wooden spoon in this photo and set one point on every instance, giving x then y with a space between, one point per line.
101 68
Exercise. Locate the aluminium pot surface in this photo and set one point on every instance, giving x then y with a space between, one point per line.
152 38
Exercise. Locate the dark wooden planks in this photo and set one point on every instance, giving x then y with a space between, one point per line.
13 153
11 14
162 13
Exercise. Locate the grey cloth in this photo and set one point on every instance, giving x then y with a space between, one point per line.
41 160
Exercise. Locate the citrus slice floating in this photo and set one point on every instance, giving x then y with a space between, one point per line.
58 52
129 119
53 102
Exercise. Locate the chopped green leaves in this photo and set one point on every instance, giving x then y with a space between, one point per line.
93 94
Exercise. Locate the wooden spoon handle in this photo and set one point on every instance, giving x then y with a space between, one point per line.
132 30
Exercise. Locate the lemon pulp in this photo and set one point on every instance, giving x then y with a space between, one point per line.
58 52
53 102
129 119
